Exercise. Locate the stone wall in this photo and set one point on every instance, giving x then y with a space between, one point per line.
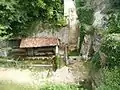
62 34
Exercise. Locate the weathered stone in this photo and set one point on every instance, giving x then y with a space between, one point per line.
92 41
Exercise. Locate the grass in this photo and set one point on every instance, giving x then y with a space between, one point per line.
5 85
73 53
47 86
59 87
13 86
26 64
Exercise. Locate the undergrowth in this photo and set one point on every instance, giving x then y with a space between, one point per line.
47 86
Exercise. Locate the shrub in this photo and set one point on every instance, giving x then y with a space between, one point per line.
111 47
59 87
111 80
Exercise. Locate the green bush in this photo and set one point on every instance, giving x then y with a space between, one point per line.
59 87
111 47
114 23
111 80
85 12
18 16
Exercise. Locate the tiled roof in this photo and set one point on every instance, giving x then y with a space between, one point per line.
38 42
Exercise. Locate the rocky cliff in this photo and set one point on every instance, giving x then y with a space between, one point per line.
93 18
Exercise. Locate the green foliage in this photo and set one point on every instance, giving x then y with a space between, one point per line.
85 15
115 4
111 80
82 35
111 41
17 15
58 61
4 85
85 12
111 47
114 23
110 44
3 32
73 53
59 87
95 61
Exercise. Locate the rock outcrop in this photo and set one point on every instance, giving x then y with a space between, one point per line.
92 40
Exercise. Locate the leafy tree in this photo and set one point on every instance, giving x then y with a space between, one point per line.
17 15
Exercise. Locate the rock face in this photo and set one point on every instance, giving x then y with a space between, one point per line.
70 13
62 34
92 41
100 16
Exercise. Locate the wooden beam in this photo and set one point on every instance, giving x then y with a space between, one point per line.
56 50
41 65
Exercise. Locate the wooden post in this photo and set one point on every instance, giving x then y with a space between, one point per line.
56 50
57 57
66 55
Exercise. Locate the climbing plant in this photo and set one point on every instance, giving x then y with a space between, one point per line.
111 40
114 23
85 15
111 47
84 12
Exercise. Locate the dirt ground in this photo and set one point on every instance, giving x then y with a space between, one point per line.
69 74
